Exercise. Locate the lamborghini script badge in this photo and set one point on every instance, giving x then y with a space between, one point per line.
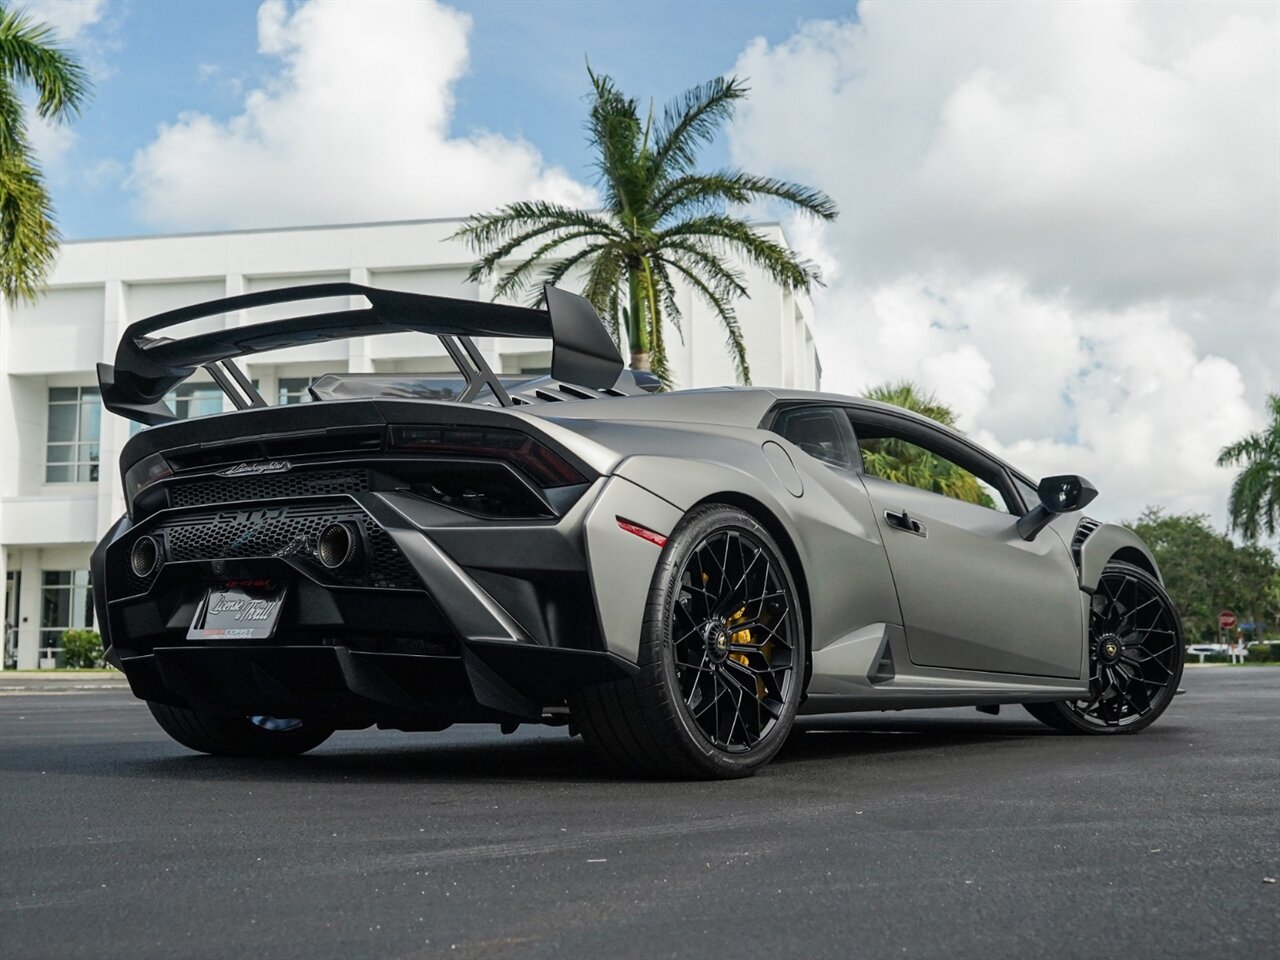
253 469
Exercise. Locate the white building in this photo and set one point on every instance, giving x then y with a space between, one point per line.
59 484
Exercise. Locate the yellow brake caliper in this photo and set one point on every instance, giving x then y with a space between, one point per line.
743 638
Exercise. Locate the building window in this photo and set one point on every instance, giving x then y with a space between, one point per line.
293 390
190 400
196 400
66 602
75 424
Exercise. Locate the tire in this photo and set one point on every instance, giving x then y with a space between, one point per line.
238 736
1132 685
721 658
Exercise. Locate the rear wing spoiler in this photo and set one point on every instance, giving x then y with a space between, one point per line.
147 367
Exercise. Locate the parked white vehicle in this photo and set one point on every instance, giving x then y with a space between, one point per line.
1207 648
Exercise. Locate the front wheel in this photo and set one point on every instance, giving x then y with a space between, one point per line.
238 736
721 657
1135 657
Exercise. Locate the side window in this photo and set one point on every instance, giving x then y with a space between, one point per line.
889 456
818 431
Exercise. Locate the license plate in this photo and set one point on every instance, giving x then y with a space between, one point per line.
239 610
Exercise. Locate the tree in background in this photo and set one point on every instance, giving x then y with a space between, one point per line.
30 56
1205 572
662 222
904 462
1254 506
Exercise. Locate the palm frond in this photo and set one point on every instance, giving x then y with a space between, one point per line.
780 263
557 271
1243 450
613 128
908 396
670 303
1254 503
13 126
695 193
692 121
723 309
30 53
728 282
486 229
513 282
604 281
28 236
506 230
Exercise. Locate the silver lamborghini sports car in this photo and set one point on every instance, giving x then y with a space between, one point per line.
675 576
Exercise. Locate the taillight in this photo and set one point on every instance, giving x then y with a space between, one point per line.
542 464
144 473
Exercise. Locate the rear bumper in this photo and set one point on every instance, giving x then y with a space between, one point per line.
340 687
451 620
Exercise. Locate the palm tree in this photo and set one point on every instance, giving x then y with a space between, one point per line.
1254 505
904 462
662 222
30 55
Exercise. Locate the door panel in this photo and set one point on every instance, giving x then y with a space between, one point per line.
975 595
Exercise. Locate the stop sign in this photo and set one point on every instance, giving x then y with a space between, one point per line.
1226 619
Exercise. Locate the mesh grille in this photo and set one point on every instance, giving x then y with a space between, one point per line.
282 532
268 486
139 584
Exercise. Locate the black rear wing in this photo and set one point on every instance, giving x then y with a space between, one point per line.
147 367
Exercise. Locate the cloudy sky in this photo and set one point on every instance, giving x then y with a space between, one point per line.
1064 218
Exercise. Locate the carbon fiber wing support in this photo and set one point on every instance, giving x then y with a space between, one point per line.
147 366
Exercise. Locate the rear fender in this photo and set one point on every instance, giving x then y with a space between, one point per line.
654 492
830 526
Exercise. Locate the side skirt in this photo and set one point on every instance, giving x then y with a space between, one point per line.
850 675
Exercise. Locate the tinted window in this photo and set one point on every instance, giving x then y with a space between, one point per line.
818 431
888 454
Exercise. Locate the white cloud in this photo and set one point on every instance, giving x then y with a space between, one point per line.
72 22
50 141
69 18
1065 218
353 126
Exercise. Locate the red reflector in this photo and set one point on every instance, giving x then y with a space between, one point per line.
644 533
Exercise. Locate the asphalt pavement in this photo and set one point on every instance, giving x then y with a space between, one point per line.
944 833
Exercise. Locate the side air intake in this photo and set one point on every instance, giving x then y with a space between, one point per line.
1084 529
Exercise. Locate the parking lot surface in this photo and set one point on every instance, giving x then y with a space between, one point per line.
943 833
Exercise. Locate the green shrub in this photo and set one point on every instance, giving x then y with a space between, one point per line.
81 649
1264 652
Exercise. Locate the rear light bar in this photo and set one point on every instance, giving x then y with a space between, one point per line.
542 464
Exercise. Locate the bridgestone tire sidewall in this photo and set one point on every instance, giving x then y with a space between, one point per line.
657 653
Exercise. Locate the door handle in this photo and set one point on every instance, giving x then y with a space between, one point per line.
904 522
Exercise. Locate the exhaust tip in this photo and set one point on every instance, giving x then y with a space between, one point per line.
144 557
339 547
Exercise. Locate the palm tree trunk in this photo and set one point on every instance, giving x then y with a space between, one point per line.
637 325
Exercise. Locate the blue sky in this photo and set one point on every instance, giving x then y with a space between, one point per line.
154 60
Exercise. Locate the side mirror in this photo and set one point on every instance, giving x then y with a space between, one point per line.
1057 495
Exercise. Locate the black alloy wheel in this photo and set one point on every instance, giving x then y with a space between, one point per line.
721 657
1135 657
732 639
